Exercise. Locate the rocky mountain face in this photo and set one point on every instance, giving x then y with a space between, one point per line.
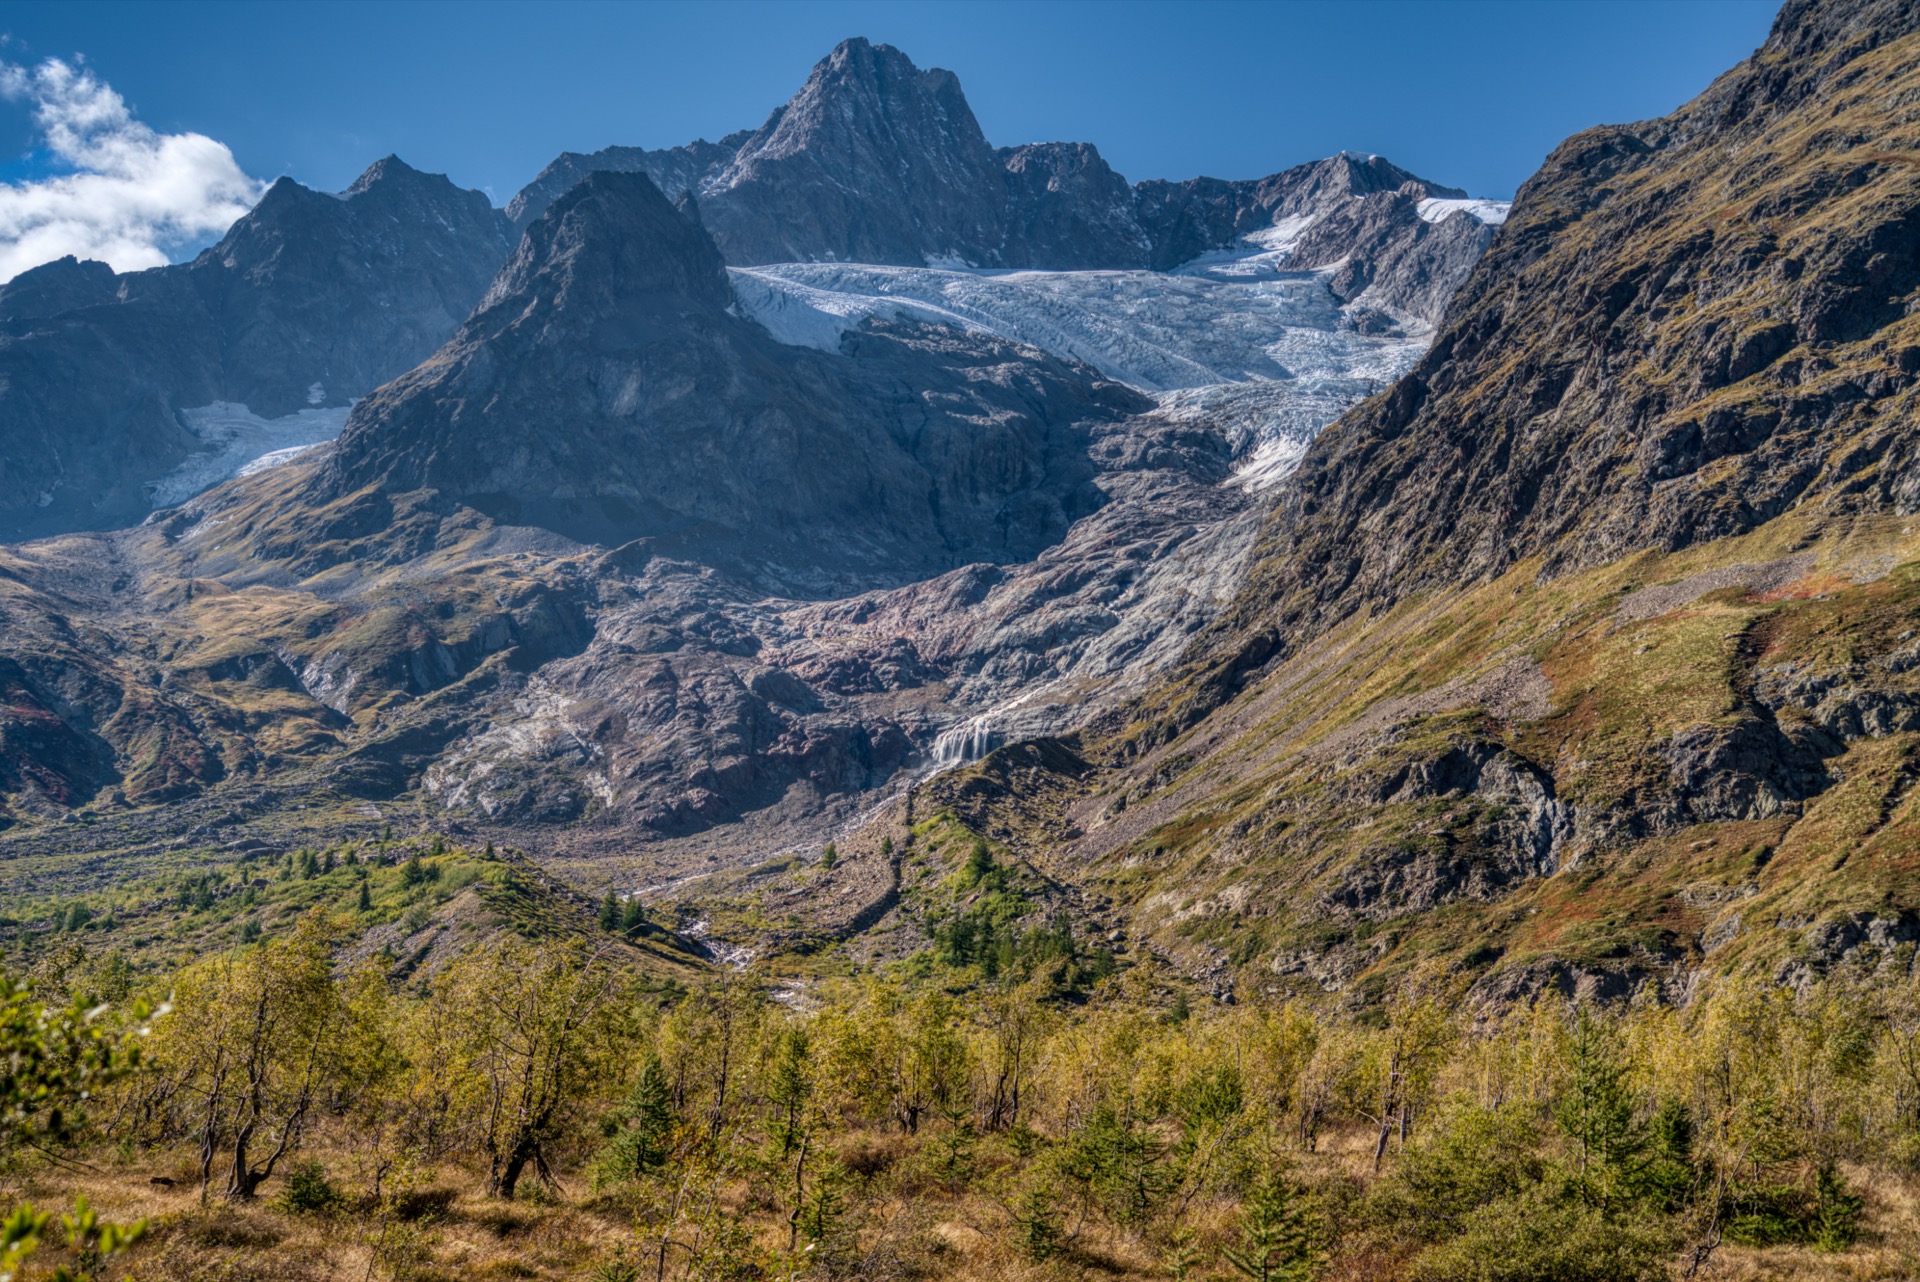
1591 637
658 561
1661 350
310 300
877 161
624 557
674 170
605 390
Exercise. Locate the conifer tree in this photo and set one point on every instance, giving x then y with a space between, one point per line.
1597 1114
610 912
366 897
642 1134
1279 1234
1037 1223
789 1088
979 862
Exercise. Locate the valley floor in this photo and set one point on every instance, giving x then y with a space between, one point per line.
909 1227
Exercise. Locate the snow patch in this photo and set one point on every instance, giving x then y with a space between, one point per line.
1491 212
239 442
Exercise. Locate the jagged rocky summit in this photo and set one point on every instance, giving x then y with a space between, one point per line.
653 546
309 301
605 390
875 160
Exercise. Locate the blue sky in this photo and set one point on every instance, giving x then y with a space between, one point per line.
1472 94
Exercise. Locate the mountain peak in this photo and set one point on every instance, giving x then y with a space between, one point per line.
873 160
390 169
611 239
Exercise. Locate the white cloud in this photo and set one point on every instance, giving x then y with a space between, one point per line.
132 193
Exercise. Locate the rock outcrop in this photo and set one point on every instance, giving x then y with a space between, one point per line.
875 160
604 390
310 300
1660 349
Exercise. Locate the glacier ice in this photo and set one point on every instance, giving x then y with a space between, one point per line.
1490 212
239 442
1268 355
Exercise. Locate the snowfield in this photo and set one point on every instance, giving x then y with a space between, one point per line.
1267 354
1490 212
239 443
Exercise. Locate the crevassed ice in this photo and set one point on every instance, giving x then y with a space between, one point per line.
239 443
1267 355
1492 212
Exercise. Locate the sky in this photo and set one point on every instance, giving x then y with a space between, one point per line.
136 131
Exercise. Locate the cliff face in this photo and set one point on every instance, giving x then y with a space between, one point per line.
605 390
310 300
1582 658
875 160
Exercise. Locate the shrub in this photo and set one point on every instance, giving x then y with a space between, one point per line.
1536 1238
309 1191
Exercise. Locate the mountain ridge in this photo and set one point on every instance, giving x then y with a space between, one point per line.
874 160
308 300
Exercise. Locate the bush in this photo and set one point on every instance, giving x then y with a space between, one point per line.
1469 1156
1535 1238
309 1191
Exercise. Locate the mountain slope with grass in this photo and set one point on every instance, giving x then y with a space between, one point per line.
1582 657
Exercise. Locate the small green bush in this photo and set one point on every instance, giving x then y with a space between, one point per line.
309 1191
1537 1238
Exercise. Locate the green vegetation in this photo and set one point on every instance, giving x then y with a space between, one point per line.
1114 1128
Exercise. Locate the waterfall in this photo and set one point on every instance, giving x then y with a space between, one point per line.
971 740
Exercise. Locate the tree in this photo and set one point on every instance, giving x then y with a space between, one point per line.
633 918
365 904
642 1128
1279 1234
829 857
1597 1114
610 912
537 1036
1037 1222
56 1058
789 1087
979 862
254 1046
1406 1057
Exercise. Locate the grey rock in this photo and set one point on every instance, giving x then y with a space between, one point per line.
308 291
603 389
674 170
875 160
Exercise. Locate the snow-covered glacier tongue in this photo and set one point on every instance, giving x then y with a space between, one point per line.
239 442
1266 355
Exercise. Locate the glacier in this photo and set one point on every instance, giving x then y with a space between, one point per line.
1268 355
239 442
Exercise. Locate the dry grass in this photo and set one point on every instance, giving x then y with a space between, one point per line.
909 1228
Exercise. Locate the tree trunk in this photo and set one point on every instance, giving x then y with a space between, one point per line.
241 1180
505 1177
